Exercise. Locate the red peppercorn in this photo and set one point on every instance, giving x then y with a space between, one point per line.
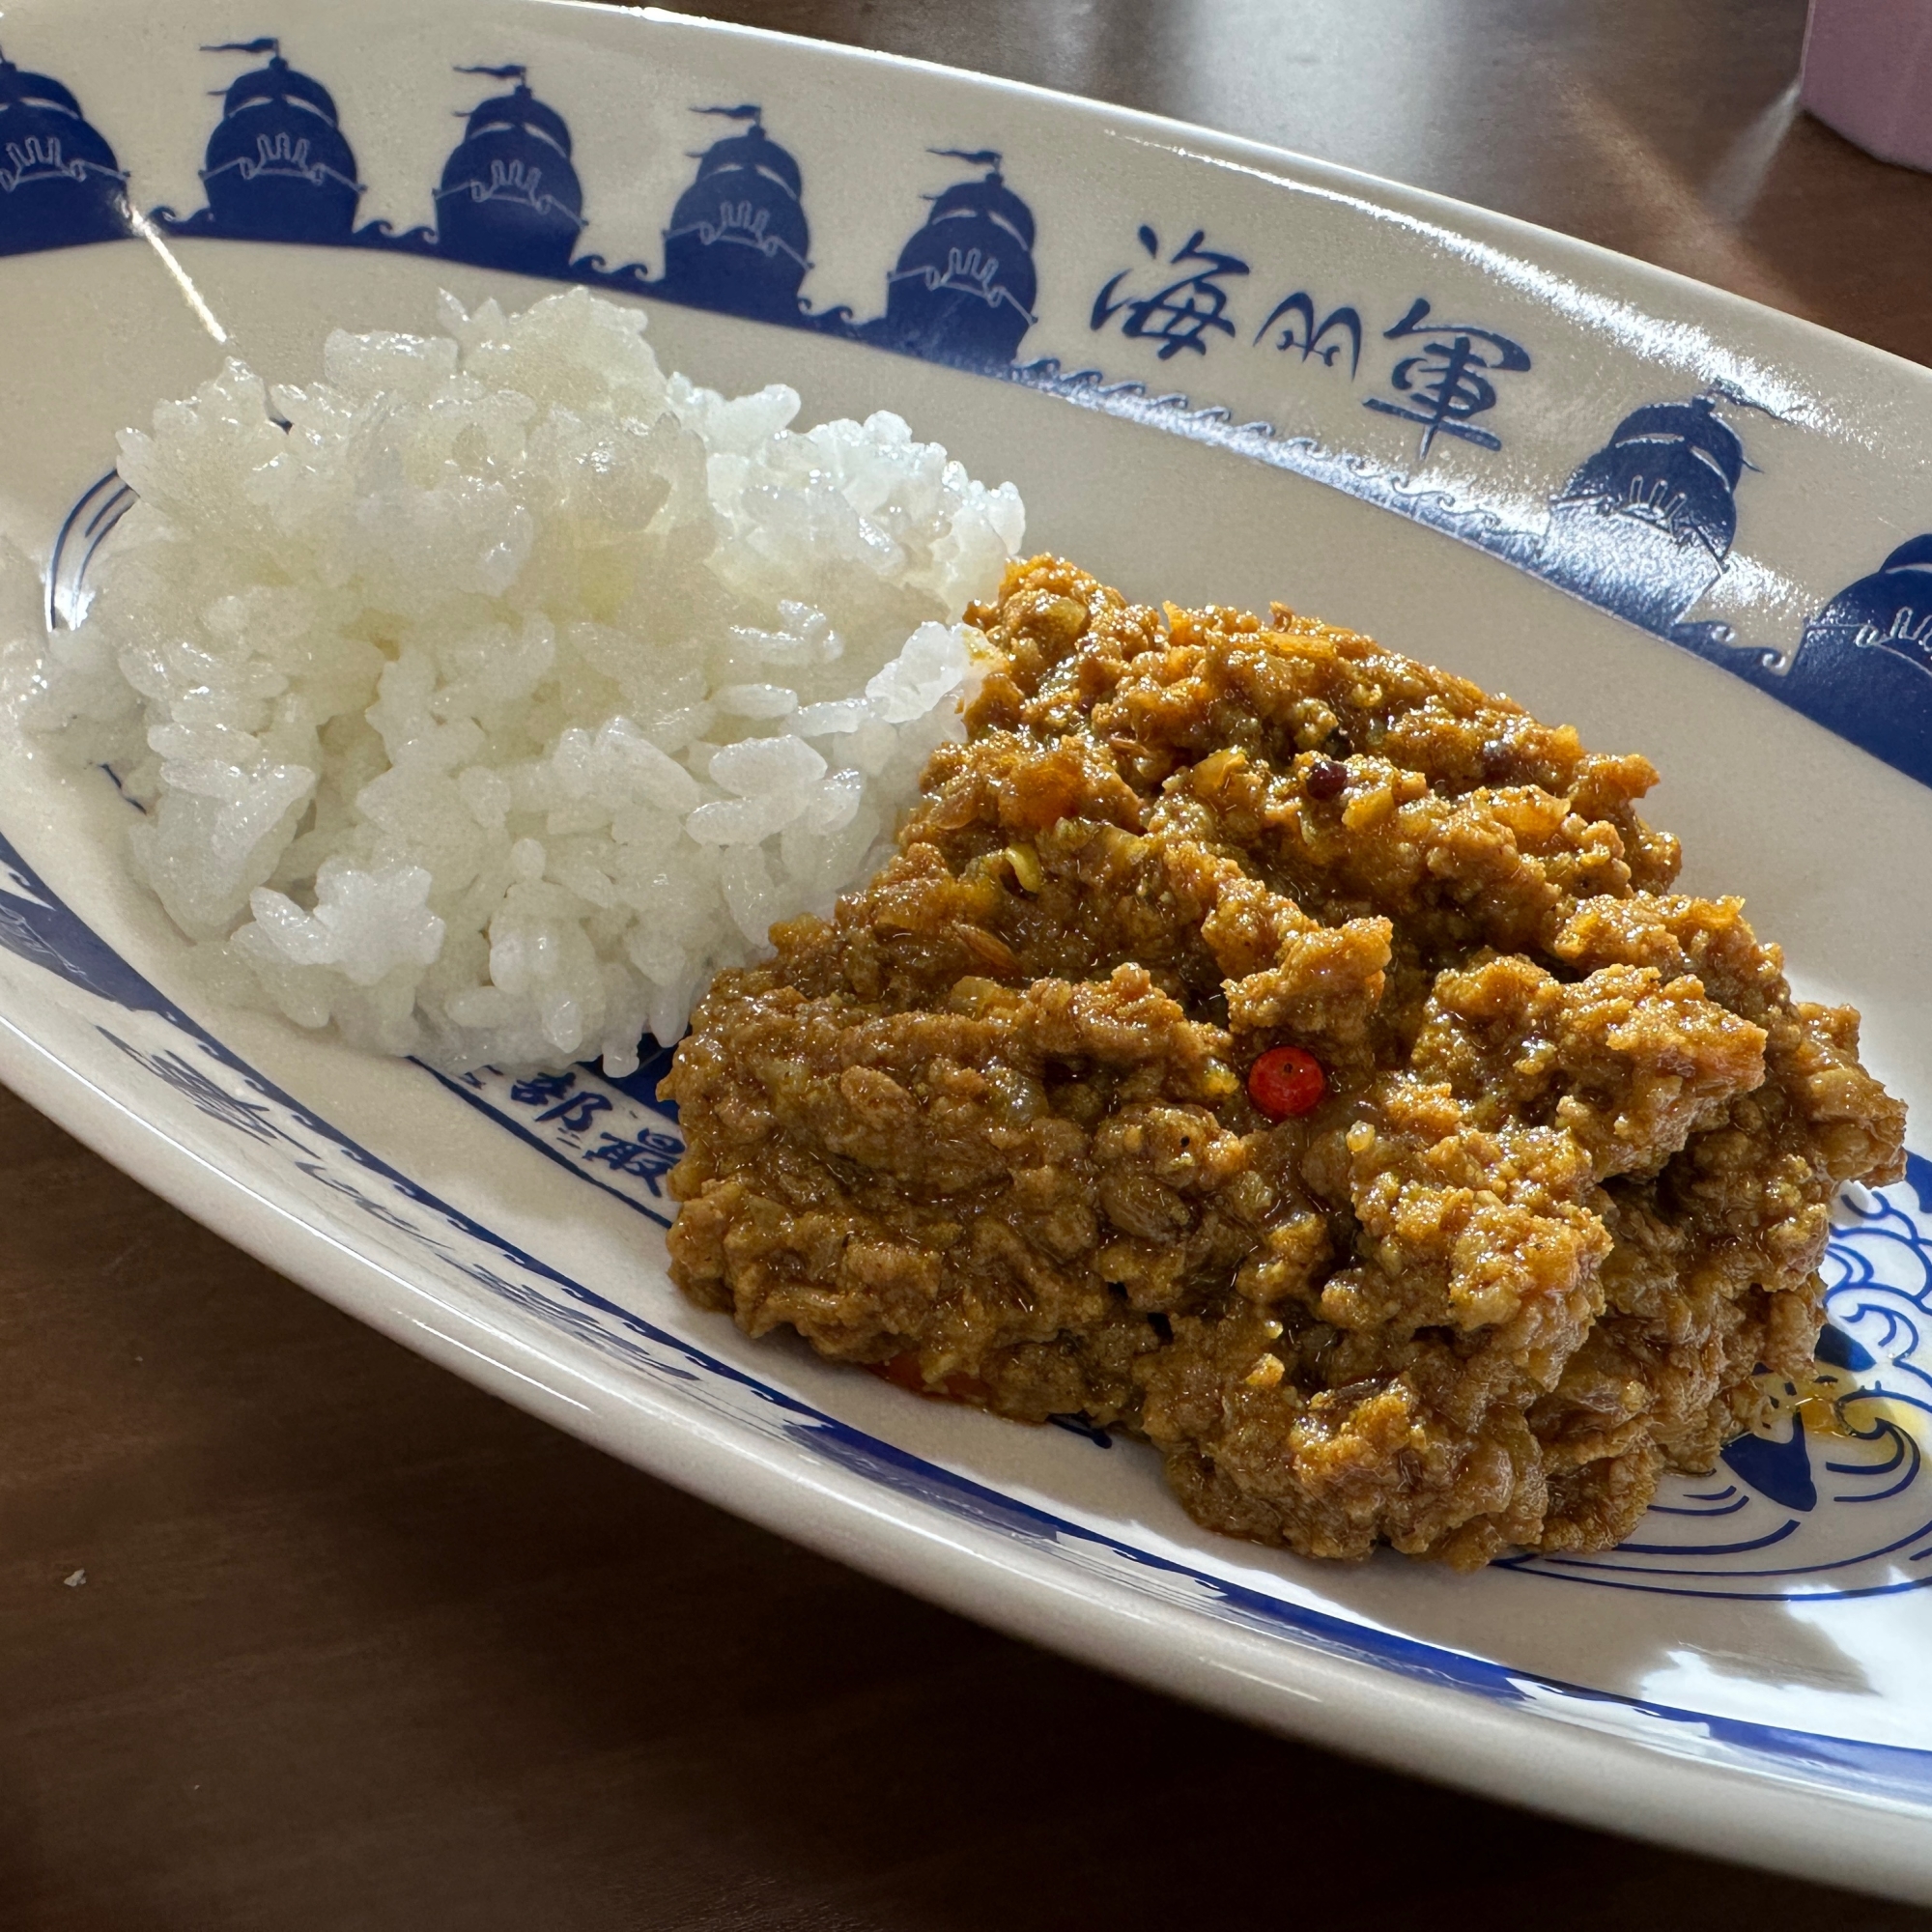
1285 1081
1325 780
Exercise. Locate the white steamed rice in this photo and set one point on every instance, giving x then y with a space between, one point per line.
513 689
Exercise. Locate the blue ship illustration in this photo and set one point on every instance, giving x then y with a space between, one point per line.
738 237
277 167
1643 530
1865 666
60 183
510 196
1889 612
964 286
1644 525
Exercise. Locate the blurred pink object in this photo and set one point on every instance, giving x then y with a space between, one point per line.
1869 73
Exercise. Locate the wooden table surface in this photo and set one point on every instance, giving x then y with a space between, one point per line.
359 1647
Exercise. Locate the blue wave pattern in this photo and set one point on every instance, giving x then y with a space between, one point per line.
1830 1495
346 1179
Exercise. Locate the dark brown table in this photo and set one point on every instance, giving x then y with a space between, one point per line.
359 1647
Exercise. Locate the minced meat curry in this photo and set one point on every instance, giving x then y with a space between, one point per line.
1563 1187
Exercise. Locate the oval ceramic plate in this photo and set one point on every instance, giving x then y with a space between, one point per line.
1217 373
